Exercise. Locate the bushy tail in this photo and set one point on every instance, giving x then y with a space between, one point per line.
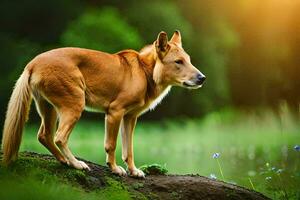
16 116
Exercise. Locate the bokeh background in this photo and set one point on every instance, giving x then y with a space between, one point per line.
248 109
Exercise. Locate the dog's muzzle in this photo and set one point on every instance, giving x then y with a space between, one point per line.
196 82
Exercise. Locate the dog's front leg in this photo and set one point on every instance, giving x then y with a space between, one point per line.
112 124
127 129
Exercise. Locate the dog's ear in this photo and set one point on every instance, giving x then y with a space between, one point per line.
161 44
176 38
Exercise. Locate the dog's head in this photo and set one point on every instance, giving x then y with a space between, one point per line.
173 65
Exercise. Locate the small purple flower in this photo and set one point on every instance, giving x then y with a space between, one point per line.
297 147
213 177
216 155
268 178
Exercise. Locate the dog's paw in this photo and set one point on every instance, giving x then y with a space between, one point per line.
79 165
119 171
136 173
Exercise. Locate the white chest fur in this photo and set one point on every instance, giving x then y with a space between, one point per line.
159 98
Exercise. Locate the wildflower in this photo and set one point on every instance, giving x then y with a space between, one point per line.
297 147
213 177
273 168
216 155
279 171
251 173
268 178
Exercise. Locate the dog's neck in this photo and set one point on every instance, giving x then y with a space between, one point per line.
148 58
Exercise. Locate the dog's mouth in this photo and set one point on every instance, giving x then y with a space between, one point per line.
191 85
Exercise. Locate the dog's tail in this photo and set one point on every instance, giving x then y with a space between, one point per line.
16 116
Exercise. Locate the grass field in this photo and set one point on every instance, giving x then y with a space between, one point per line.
252 147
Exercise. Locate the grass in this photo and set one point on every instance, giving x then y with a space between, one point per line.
246 142
29 188
46 179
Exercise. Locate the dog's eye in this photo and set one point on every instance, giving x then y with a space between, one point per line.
180 62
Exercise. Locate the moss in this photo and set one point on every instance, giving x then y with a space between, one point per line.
230 193
175 195
137 185
154 169
43 171
32 179
28 188
47 167
152 195
114 190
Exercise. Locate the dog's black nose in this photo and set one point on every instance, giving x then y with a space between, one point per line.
200 79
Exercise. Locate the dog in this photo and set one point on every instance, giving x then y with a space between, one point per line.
64 82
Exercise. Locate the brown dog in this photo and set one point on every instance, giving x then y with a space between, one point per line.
65 81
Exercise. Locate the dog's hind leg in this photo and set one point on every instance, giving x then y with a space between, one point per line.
48 125
64 88
67 120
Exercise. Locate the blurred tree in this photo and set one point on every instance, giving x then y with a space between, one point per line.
14 56
27 28
38 21
213 41
101 29
214 44
264 70
152 17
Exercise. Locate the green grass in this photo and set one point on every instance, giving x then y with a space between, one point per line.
32 178
246 143
28 189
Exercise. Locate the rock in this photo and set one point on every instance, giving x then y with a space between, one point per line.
158 186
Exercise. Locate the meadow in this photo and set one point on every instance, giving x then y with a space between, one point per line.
256 149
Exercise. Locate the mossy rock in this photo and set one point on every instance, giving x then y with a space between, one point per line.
38 176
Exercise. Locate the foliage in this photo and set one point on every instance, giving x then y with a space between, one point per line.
152 17
229 43
14 55
154 169
101 29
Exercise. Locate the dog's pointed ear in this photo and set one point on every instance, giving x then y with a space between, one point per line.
176 38
161 43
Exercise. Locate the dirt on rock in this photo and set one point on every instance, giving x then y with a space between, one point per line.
163 187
